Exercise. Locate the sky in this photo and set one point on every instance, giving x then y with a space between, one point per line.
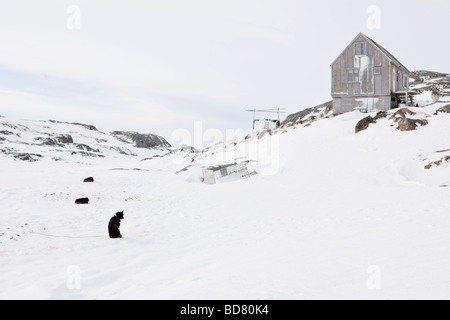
165 66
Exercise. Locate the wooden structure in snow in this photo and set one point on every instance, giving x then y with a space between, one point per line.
368 78
230 172
266 124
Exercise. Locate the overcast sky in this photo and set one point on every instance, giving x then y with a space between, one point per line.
157 66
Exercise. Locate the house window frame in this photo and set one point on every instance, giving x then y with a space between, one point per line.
377 71
405 81
353 72
360 48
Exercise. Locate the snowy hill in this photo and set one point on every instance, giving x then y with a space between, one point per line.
324 207
33 140
431 86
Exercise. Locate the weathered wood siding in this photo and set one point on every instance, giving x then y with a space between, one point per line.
397 79
368 83
373 103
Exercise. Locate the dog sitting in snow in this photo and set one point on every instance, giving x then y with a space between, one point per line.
114 225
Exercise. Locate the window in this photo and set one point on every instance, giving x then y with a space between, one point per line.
360 48
405 81
377 71
356 74
353 75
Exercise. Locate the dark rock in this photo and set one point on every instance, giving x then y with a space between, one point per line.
90 179
82 201
61 139
406 124
147 141
444 109
87 154
26 157
85 147
46 141
364 124
6 133
64 139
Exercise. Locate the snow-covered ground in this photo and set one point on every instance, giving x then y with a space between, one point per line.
332 214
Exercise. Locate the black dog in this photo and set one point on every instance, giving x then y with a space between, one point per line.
114 225
82 201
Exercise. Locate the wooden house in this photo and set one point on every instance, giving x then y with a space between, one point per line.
368 78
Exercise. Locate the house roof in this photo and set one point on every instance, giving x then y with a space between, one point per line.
385 52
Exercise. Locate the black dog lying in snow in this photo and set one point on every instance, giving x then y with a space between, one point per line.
114 225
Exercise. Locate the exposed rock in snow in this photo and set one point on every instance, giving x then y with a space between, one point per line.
64 138
437 163
146 141
431 86
85 147
87 154
46 141
309 115
444 109
401 114
399 117
26 156
407 124
56 141
86 126
364 123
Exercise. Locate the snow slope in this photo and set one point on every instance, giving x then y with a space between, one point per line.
62 141
327 206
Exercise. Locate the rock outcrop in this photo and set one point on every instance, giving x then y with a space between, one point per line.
437 163
56 141
364 123
147 141
309 115
444 109
407 124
